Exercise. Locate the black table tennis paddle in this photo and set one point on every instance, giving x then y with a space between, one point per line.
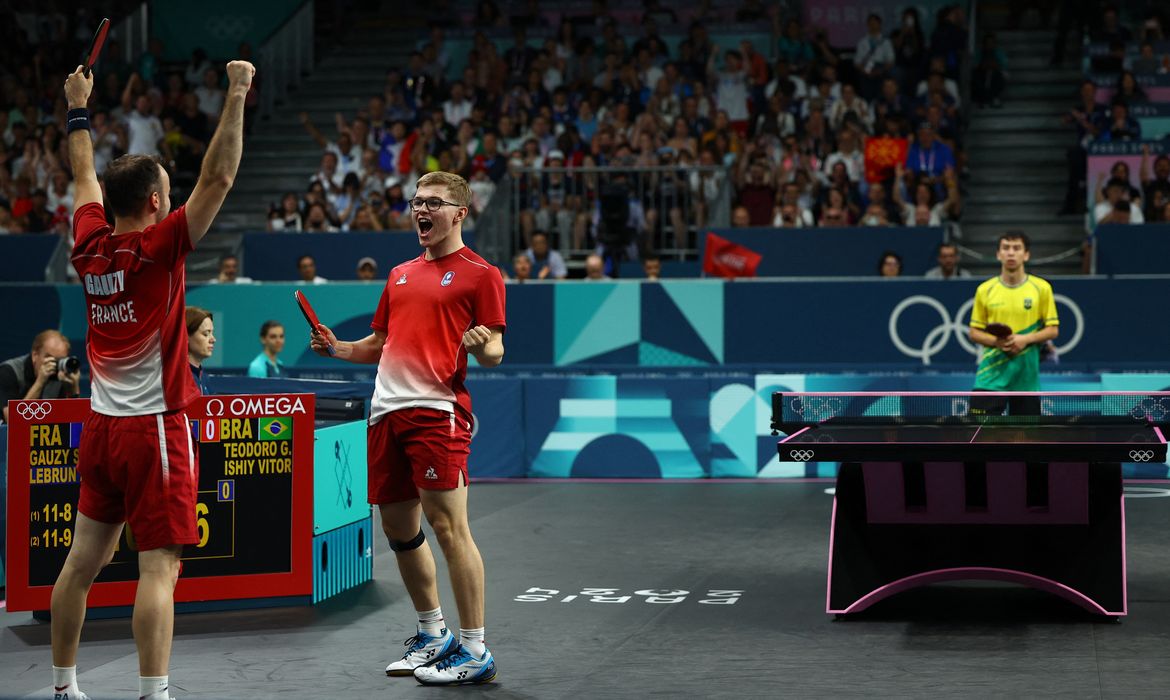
999 330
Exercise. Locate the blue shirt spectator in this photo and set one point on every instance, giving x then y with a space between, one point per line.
928 156
267 363
544 257
264 366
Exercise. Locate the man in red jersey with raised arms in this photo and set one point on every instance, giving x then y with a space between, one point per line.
136 460
434 310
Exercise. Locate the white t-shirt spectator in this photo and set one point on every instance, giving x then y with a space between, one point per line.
872 51
144 131
61 200
949 85
346 162
797 81
804 219
455 112
103 150
210 100
732 94
316 280
1103 209
854 163
936 273
938 214
194 74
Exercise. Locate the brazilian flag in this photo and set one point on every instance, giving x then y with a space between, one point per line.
275 428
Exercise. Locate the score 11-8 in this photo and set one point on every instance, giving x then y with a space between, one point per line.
52 513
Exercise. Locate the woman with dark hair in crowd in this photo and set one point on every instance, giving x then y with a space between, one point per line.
286 217
1129 90
835 209
889 264
909 50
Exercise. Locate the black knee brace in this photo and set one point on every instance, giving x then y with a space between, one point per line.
413 543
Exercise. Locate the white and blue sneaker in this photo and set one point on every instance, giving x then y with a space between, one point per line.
458 668
422 649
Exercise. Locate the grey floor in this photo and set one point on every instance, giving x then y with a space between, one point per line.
767 540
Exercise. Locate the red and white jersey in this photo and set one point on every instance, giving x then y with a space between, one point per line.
135 297
424 311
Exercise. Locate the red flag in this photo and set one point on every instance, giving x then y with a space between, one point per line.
726 259
881 155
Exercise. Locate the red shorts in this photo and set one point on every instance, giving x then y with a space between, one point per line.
416 448
142 470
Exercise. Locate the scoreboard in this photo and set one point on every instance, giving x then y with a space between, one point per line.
254 511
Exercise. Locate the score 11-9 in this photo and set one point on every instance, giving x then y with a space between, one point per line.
52 538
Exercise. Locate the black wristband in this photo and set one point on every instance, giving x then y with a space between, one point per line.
76 119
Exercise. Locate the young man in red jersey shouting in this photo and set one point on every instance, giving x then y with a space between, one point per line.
136 460
434 311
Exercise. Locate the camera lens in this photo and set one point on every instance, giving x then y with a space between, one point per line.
72 364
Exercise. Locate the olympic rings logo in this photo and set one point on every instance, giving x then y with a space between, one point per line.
801 455
1141 455
938 337
34 410
228 26
1154 409
815 407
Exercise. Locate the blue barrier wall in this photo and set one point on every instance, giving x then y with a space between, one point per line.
829 252
273 256
757 325
1138 250
23 257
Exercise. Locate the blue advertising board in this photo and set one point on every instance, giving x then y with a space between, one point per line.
752 325
829 252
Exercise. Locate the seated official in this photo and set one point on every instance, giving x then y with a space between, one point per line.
200 343
42 373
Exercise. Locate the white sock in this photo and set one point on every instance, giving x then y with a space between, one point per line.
472 640
431 621
65 680
153 687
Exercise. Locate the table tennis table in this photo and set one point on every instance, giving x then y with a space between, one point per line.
929 490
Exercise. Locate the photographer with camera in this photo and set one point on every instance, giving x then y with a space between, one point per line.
47 372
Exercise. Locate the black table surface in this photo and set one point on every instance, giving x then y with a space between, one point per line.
1105 441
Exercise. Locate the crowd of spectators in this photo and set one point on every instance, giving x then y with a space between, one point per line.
784 125
778 130
147 107
1113 197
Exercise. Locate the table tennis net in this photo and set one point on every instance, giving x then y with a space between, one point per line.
938 407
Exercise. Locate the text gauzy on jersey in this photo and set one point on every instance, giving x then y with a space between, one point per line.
107 285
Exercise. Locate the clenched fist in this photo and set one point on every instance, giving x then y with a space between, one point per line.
475 338
240 73
77 88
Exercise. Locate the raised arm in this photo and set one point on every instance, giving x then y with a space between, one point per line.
85 183
222 159
313 131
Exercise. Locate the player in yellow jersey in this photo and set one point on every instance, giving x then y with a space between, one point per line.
1024 303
